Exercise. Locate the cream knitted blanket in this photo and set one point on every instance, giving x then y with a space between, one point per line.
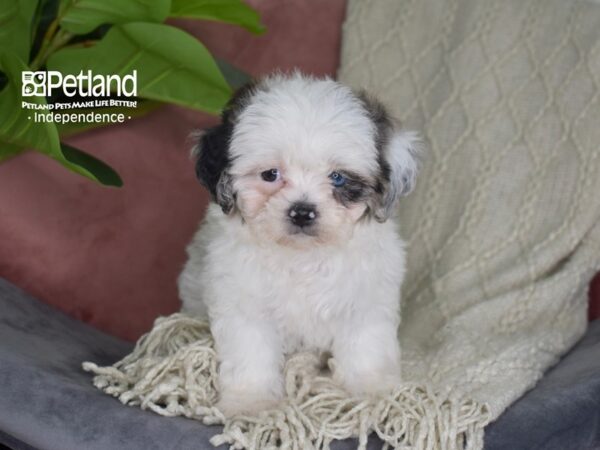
503 229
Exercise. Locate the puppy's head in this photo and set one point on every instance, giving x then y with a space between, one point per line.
302 160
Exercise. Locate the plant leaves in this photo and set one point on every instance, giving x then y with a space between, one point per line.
229 11
18 129
172 66
234 76
83 16
16 19
71 128
102 171
8 151
43 18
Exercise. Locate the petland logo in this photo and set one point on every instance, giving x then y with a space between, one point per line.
46 83
92 91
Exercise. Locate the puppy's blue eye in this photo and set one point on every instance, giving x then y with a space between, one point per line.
270 175
337 179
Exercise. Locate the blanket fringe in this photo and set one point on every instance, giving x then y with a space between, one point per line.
173 372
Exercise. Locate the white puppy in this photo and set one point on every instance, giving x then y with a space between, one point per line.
297 252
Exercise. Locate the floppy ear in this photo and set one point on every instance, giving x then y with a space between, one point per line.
398 158
212 151
399 161
212 162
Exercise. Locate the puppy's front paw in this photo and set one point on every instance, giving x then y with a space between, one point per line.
236 402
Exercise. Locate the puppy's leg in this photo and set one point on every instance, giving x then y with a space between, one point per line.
367 355
251 360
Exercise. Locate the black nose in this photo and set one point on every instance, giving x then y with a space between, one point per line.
302 214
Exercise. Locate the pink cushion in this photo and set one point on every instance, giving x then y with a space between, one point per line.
111 257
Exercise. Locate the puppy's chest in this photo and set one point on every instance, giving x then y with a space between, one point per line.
308 300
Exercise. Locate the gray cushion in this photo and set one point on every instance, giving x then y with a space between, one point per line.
48 402
562 411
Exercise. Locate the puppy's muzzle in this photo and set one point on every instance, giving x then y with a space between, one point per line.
302 214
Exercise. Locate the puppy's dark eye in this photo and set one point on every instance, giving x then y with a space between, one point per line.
270 175
337 179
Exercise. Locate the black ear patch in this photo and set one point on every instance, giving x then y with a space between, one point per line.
212 163
213 155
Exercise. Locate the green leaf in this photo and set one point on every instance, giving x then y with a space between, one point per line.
228 11
71 128
103 172
18 128
7 151
16 17
83 16
234 76
171 65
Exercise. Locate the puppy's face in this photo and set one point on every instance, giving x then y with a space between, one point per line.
301 161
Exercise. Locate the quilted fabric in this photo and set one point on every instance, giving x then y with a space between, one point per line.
503 229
